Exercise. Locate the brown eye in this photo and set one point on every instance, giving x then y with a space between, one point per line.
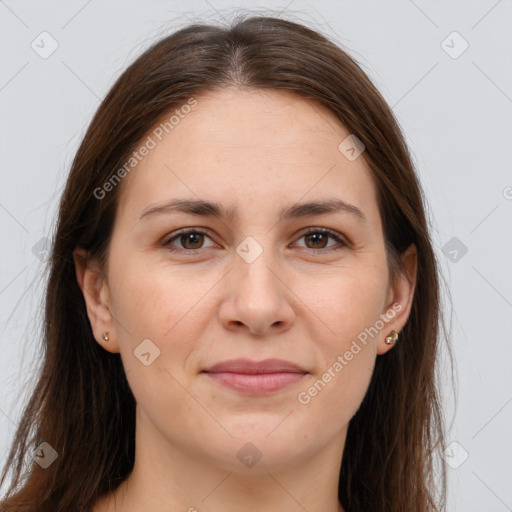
192 240
188 241
318 240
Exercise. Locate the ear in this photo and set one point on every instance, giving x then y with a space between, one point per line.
399 299
96 295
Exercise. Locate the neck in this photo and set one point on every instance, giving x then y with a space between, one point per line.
167 477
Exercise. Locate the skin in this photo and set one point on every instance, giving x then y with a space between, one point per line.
301 300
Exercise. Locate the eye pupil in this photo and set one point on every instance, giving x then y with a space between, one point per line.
193 238
318 237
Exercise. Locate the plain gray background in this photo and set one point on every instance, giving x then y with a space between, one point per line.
453 103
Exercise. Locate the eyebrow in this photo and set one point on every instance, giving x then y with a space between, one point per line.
211 209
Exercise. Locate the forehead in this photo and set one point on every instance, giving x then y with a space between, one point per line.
249 146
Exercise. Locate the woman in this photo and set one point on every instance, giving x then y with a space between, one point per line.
243 302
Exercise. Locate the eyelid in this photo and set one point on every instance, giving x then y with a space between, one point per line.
185 231
338 237
341 241
327 231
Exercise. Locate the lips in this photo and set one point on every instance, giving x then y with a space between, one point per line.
256 377
255 367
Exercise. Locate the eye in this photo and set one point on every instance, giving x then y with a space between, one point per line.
191 239
318 238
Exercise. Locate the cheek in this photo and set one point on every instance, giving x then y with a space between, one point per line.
162 305
334 396
347 303
161 302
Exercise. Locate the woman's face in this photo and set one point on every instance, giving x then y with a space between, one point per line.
249 282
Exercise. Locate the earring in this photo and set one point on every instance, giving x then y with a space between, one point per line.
392 338
105 336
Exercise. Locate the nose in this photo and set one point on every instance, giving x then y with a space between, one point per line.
257 298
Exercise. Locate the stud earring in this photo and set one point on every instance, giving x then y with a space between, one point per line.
392 338
105 336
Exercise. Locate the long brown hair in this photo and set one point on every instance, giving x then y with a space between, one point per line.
82 404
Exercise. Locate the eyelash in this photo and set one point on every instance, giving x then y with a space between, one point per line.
325 231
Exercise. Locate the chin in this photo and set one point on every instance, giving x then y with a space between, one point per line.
257 452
